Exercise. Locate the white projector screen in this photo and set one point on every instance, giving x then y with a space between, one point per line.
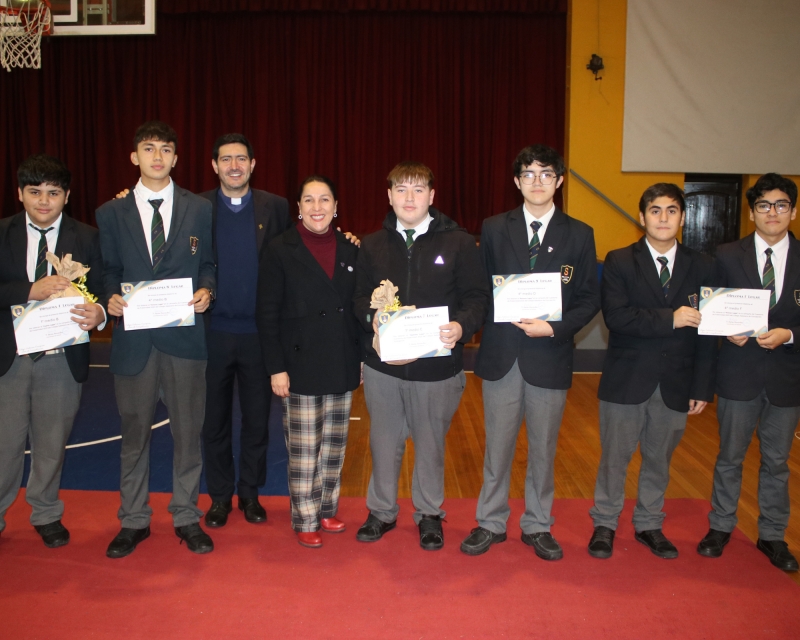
712 86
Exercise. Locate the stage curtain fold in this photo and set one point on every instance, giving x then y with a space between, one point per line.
343 94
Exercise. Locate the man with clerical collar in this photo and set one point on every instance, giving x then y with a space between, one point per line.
526 366
758 379
657 369
434 263
244 220
40 392
159 231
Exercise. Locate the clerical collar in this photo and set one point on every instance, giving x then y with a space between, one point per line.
236 204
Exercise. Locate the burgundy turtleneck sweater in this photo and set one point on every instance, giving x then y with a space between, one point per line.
321 245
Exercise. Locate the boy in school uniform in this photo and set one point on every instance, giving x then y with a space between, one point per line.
40 392
159 231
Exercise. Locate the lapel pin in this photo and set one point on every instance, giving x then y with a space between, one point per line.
349 268
439 260
260 226
549 249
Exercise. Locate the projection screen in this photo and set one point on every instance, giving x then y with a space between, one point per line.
712 86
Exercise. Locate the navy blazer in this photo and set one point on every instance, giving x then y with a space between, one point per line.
188 254
305 319
644 351
74 237
567 248
743 372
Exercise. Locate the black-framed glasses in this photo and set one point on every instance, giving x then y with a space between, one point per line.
781 206
545 177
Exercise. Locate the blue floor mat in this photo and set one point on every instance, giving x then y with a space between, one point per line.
96 466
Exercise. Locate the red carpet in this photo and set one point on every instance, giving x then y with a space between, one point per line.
259 583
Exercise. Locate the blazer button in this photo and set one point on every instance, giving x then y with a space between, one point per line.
297 347
322 313
664 353
340 309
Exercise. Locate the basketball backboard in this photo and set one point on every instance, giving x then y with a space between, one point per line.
99 17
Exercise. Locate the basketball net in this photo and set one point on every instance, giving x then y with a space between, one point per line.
21 32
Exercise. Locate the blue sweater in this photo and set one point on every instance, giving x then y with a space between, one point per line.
237 267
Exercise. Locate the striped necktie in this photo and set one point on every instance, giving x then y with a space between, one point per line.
41 258
664 275
409 237
533 247
157 233
40 271
768 278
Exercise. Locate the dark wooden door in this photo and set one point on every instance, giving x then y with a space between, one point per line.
713 205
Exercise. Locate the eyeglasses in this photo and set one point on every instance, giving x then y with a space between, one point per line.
781 206
545 177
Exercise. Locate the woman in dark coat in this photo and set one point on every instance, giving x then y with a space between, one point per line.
310 340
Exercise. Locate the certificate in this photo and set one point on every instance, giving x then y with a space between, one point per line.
155 304
733 312
527 295
46 325
412 333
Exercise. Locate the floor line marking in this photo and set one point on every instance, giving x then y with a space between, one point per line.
104 440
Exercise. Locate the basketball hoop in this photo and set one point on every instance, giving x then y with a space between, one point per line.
21 31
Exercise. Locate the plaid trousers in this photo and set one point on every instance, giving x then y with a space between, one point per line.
315 428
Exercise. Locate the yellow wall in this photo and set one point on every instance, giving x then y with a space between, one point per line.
594 128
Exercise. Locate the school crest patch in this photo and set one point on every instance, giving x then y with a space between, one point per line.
797 296
193 244
566 273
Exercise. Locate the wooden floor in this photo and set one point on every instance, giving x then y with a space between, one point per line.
577 457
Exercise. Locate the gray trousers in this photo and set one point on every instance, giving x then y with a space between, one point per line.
39 401
181 385
399 408
505 403
775 427
657 429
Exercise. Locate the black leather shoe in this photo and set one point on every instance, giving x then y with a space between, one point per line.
53 535
602 543
431 536
373 529
253 511
217 515
479 540
197 540
658 543
712 545
126 541
544 544
778 553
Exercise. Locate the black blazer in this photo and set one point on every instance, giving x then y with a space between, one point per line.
305 319
644 351
188 254
743 372
74 237
544 362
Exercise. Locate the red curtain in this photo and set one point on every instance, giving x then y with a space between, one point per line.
346 94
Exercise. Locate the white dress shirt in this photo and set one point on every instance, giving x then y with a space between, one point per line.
420 229
545 220
670 256
143 195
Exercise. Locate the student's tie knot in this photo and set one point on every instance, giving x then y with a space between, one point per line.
409 237
156 204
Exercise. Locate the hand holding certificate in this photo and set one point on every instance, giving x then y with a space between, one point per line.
155 304
531 296
46 325
412 333
733 312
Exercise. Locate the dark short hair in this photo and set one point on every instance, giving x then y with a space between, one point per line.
231 138
540 154
43 169
769 182
317 178
413 172
155 130
661 189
